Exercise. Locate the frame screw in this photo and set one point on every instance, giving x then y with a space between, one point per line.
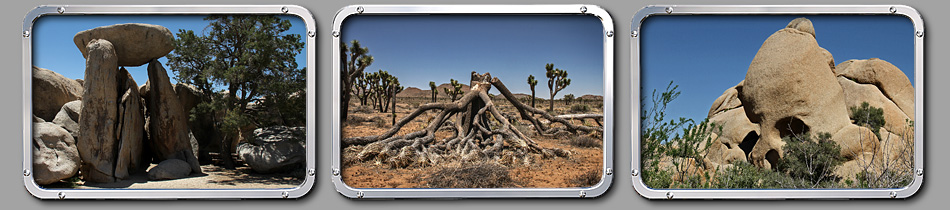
359 194
920 33
634 34
335 172
610 34
893 194
669 10
359 9
26 33
583 9
669 195
335 33
583 194
61 195
311 172
636 172
610 171
285 194
26 172
311 34
893 9
920 172
61 10
284 10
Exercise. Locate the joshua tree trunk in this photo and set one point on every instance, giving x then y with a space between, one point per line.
481 132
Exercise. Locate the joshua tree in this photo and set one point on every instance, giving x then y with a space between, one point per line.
456 89
434 90
384 87
361 87
356 58
481 132
532 82
557 81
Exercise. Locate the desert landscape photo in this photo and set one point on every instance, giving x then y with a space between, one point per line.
472 102
169 102
805 102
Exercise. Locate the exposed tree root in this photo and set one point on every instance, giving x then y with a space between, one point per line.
480 132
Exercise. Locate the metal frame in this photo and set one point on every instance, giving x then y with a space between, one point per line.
26 116
899 10
608 50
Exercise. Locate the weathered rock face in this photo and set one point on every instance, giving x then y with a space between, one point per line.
274 149
130 128
68 117
55 156
790 87
887 77
50 91
135 43
98 115
793 87
202 127
170 169
167 124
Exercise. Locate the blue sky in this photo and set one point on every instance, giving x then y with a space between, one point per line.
705 55
419 49
53 46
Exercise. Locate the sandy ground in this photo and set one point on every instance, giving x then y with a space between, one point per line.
543 173
214 177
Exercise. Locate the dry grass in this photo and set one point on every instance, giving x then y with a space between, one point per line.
584 141
588 179
477 175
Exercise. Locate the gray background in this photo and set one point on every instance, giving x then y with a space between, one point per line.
620 195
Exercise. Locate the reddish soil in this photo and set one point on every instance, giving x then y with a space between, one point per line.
541 173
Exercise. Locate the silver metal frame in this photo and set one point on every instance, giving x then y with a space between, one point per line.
593 191
900 10
26 117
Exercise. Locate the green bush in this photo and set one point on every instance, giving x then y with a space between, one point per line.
580 108
811 163
868 116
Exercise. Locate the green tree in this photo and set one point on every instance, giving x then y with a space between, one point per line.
568 99
456 90
532 82
356 58
434 90
361 88
253 59
868 116
557 81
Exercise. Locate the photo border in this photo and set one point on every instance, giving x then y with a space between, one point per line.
608 56
900 10
26 118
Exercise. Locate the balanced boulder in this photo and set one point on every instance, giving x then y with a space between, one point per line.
50 91
55 156
135 43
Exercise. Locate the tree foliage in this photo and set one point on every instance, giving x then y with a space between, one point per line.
253 59
868 116
557 81
811 163
434 90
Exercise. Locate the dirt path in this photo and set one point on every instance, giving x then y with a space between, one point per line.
214 178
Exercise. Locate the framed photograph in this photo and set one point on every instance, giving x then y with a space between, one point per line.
168 102
472 101
777 102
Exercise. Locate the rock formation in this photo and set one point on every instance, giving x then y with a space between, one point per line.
68 117
130 127
135 43
792 87
50 91
55 156
167 125
274 149
170 169
98 115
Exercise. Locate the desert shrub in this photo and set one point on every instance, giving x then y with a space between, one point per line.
588 179
477 175
886 179
580 108
868 116
811 163
585 141
743 175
